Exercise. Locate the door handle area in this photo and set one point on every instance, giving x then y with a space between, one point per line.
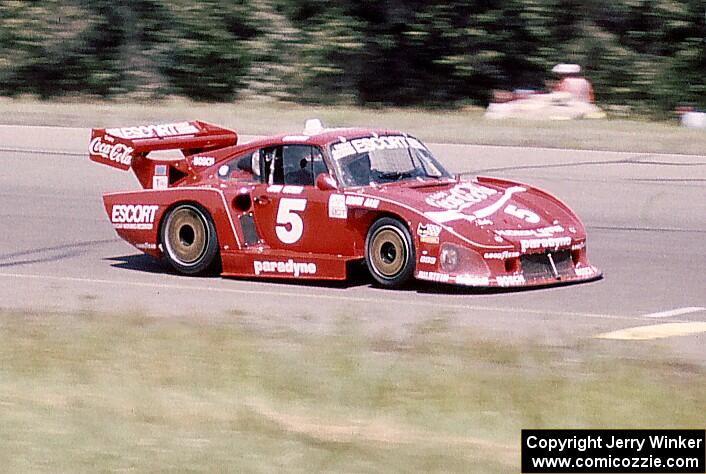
262 200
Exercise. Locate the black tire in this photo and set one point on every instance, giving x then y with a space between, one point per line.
189 241
389 253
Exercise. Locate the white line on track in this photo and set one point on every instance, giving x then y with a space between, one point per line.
675 312
358 299
656 331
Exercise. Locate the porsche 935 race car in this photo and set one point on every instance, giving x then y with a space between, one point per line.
305 206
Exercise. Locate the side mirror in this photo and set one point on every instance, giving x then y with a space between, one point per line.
325 182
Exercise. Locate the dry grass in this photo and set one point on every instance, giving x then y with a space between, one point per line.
88 392
452 126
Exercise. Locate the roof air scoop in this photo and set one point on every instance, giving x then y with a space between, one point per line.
313 127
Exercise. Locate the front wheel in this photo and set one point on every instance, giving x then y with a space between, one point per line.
189 239
389 253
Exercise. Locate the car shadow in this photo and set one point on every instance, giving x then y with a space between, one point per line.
358 276
138 262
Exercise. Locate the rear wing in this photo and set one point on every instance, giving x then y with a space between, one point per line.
128 147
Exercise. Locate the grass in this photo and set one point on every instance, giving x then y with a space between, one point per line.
87 393
448 126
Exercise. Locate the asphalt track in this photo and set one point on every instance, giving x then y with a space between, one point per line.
645 215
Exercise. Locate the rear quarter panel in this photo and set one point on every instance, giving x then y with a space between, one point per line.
136 215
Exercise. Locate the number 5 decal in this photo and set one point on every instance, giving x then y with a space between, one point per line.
522 214
288 218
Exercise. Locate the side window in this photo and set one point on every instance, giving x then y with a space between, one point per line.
302 163
247 162
271 165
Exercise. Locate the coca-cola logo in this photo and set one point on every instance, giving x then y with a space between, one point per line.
112 151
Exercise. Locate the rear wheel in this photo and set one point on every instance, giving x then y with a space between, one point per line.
189 239
389 253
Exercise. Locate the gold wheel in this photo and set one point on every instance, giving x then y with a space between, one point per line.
186 235
388 252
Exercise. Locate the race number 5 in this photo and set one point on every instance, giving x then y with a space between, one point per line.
289 224
523 214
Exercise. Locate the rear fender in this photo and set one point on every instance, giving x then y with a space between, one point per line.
136 216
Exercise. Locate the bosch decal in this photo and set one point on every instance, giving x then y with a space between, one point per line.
585 272
204 161
510 280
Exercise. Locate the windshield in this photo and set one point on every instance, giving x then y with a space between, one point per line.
384 159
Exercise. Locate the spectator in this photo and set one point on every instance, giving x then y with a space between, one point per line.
573 82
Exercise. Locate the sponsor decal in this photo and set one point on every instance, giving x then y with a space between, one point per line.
542 232
133 216
293 189
296 138
116 152
355 200
160 182
361 201
484 222
504 255
433 276
465 195
288 189
460 196
337 208
427 259
146 246
547 243
510 280
371 203
289 267
585 272
472 280
429 233
368 144
204 161
578 246
431 230
154 131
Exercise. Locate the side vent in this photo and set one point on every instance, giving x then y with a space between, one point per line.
247 224
175 175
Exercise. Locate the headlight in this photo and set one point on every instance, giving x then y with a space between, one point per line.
449 258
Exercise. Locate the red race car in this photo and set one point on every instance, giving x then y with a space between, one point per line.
304 206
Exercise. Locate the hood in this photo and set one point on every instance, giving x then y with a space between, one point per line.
490 212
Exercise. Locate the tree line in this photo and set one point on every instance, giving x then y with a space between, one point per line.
648 54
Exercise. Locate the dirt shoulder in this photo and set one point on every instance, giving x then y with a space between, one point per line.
441 126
